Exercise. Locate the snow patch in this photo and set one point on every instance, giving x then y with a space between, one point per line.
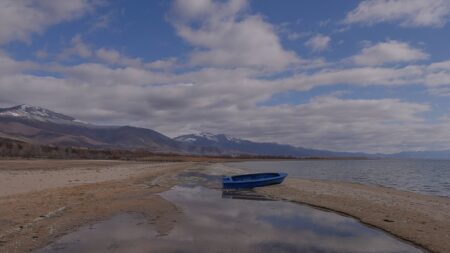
232 139
38 114
208 136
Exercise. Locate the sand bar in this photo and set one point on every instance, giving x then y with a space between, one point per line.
423 220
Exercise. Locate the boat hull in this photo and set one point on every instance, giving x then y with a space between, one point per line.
249 181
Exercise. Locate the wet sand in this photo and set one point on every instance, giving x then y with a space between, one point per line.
422 220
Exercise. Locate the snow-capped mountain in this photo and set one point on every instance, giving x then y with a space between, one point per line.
42 126
37 113
231 145
207 137
38 125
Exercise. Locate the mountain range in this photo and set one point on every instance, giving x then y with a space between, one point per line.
235 146
41 126
36 125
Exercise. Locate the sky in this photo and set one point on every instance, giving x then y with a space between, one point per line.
370 75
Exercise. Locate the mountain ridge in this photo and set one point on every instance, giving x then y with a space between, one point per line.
35 113
38 125
235 145
42 126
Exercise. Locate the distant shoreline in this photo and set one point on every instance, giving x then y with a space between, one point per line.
18 149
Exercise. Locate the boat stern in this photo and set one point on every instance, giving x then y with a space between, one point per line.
226 181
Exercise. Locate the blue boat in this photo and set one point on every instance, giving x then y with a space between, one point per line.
248 181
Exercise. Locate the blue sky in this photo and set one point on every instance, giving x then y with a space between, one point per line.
369 75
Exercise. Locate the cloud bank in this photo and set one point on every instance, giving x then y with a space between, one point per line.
410 13
19 19
236 65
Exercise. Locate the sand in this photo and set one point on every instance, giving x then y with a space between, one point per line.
21 176
33 219
422 220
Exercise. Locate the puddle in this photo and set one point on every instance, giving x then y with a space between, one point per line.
216 221
129 232
195 178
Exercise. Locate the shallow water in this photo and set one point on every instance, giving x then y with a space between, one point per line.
216 221
431 177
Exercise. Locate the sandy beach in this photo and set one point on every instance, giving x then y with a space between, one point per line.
42 200
21 176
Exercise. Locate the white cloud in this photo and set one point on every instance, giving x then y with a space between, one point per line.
77 48
10 66
112 56
95 73
216 99
440 92
162 64
388 52
318 43
445 65
362 76
41 54
193 9
21 18
224 37
433 13
440 78
438 74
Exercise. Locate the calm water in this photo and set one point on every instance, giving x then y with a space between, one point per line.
430 177
216 221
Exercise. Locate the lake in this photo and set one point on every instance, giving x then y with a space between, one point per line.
431 177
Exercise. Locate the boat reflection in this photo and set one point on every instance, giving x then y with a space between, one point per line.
245 195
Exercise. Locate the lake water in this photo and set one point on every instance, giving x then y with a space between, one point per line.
430 177
216 221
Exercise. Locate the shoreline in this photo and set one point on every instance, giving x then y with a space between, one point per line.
37 216
418 219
